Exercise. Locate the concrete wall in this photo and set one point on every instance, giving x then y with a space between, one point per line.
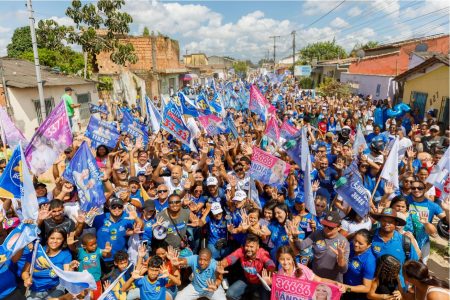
367 84
24 110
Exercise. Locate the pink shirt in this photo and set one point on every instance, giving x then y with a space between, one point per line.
307 273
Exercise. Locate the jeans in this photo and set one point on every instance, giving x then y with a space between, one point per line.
55 292
189 293
239 288
218 254
194 238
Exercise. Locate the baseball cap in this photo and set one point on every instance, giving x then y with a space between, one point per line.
212 181
40 184
332 219
435 127
141 173
149 205
122 170
115 201
42 200
239 196
133 179
216 208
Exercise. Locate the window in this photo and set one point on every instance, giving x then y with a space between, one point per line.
419 101
49 105
84 100
377 94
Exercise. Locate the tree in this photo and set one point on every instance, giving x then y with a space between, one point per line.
323 51
306 83
360 46
264 61
240 68
146 31
20 42
67 60
52 36
331 87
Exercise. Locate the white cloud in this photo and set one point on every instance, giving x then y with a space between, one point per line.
65 21
4 29
316 7
339 23
354 11
390 9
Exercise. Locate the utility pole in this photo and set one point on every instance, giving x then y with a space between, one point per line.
274 37
293 48
36 60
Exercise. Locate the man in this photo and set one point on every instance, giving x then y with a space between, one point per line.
215 193
330 249
387 240
67 97
162 192
253 260
433 141
206 281
174 182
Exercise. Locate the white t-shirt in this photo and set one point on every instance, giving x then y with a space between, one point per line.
172 187
352 227
138 167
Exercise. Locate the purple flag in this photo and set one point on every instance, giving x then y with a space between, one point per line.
49 141
11 135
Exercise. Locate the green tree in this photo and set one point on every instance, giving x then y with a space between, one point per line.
146 32
52 36
20 42
331 87
322 51
240 67
306 83
105 83
360 46
67 60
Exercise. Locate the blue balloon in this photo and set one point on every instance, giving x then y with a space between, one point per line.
404 107
393 113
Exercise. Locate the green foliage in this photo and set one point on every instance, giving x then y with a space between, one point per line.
240 67
146 32
306 83
264 61
20 42
322 51
331 87
50 35
366 46
105 83
67 60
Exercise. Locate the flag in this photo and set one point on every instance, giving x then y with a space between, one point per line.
268 169
49 141
293 148
102 133
29 202
93 108
212 84
83 172
187 106
230 124
272 130
216 104
172 122
10 134
352 191
134 127
11 179
153 114
288 131
203 104
212 124
359 140
253 193
390 169
16 240
258 104
73 282
304 150
440 173
108 294
307 187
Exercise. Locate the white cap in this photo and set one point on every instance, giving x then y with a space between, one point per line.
211 181
435 127
216 208
239 196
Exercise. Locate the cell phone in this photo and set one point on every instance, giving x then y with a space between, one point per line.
145 243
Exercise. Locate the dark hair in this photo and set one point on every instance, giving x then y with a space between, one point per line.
56 203
288 250
173 195
159 244
284 208
366 234
155 262
205 251
60 230
195 185
420 272
245 159
388 268
252 238
418 181
102 146
398 199
88 237
120 256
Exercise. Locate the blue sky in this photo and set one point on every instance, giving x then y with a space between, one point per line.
241 29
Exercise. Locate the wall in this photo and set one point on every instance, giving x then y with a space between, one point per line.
196 59
434 83
367 84
23 107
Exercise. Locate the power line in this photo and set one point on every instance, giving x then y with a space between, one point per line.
323 16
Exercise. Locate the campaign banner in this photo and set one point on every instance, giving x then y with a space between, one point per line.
216 103
287 131
102 133
133 127
154 116
16 240
108 293
352 190
173 122
83 172
230 124
94 108
212 124
203 104
187 107
272 129
49 141
11 135
268 169
11 178
291 288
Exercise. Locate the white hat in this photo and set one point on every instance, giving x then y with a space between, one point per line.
239 196
216 208
211 181
435 127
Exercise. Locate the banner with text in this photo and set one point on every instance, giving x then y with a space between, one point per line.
291 288
268 169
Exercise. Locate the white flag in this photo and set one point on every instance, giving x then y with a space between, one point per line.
30 206
440 172
390 169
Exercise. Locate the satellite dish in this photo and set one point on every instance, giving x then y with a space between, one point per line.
422 47
360 53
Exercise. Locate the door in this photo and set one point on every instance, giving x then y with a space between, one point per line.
84 100
419 101
444 113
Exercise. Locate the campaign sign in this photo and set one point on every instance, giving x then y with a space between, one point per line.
290 288
134 128
102 133
288 131
173 123
268 169
212 124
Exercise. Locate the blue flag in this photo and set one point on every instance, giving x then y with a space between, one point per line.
188 108
307 187
29 202
153 114
11 179
93 108
203 104
216 104
351 189
134 127
83 172
172 122
102 133
16 240
230 124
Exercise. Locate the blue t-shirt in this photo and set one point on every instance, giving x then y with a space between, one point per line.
279 237
426 205
217 229
113 232
148 230
8 283
152 290
236 220
44 277
201 276
359 267
329 180
90 262
160 207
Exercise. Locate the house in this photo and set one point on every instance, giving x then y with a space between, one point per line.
221 65
199 68
330 69
21 96
426 86
374 73
158 65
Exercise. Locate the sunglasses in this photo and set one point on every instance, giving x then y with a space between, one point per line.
175 202
117 207
161 191
364 166
417 188
238 169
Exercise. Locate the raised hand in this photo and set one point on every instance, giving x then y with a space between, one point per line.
172 254
410 152
388 188
211 285
340 249
108 247
267 276
245 223
187 184
139 143
132 213
339 165
232 180
106 284
163 272
81 217
195 221
159 221
71 239
117 163
138 272
423 217
220 268
137 228
74 264
315 186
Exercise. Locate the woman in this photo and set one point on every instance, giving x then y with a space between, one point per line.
361 267
354 222
385 285
331 125
101 155
322 292
44 283
162 251
426 286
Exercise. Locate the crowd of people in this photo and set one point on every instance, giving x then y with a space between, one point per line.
179 224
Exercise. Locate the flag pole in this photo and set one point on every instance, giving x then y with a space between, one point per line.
379 178
33 260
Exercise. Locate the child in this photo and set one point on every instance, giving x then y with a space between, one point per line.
89 257
121 263
152 286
